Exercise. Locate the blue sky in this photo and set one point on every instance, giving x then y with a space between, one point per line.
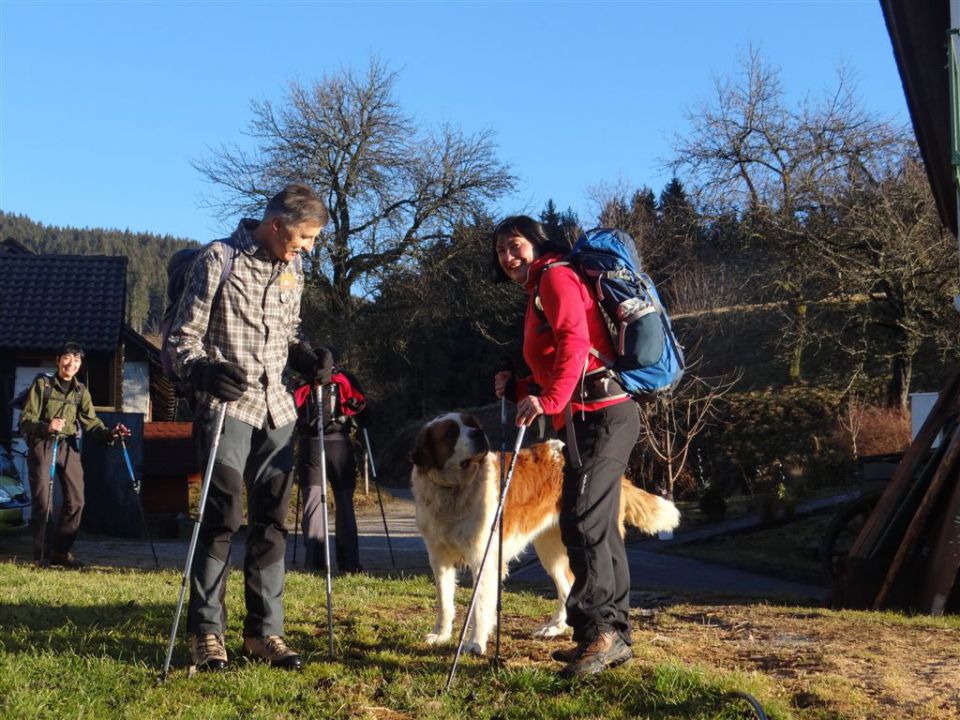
104 105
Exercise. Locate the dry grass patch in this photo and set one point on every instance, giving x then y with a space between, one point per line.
825 663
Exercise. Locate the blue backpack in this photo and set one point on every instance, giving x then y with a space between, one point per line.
649 360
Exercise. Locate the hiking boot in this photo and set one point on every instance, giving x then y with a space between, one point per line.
607 650
208 652
65 560
570 654
272 649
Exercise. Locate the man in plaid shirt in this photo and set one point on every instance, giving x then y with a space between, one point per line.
233 337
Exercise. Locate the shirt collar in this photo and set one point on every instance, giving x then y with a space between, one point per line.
243 237
245 242
64 385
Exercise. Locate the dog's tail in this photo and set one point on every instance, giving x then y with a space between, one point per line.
646 511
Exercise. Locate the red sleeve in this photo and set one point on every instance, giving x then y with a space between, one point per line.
521 388
562 298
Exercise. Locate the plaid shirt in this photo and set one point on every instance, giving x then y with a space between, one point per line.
256 319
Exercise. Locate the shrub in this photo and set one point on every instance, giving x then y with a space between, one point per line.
757 428
776 493
863 429
712 503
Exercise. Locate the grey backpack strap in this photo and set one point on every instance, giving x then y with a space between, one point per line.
228 258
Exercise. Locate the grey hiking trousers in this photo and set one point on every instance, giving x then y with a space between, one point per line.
261 459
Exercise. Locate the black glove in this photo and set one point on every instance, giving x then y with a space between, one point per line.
223 380
323 369
314 364
303 359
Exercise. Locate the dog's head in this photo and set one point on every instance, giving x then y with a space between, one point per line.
453 447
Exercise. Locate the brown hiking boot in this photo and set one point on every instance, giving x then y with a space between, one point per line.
272 649
65 560
607 650
570 654
208 652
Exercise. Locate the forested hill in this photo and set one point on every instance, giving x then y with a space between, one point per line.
146 269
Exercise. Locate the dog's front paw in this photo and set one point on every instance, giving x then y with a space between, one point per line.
436 638
475 648
550 630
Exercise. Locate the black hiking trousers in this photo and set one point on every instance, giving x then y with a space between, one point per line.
342 476
599 600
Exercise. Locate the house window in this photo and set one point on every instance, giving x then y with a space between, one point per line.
100 378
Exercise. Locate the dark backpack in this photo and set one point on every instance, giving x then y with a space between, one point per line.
20 399
177 270
344 397
649 360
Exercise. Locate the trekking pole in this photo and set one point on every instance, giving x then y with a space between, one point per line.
376 484
483 562
136 491
296 522
204 491
318 394
506 364
46 524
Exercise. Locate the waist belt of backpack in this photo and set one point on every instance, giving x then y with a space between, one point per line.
336 425
598 385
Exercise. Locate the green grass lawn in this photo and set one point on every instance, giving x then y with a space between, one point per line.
91 645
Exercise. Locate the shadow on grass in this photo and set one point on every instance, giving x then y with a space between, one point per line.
128 630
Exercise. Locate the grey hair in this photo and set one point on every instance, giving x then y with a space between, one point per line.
295 204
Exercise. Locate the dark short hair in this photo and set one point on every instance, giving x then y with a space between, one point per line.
526 227
70 348
295 204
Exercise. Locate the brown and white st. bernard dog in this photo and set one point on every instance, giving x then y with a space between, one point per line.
455 483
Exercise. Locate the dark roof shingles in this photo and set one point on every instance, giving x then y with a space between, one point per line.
46 300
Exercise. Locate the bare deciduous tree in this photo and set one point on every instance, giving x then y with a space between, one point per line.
671 424
392 189
775 166
888 242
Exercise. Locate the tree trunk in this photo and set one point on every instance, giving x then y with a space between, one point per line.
898 389
799 340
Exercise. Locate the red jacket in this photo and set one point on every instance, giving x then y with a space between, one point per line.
558 351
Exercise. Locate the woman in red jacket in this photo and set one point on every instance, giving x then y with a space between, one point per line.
562 333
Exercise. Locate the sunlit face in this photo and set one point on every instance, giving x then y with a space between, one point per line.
515 253
67 365
290 240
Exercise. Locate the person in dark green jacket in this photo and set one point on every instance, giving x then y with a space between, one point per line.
55 410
